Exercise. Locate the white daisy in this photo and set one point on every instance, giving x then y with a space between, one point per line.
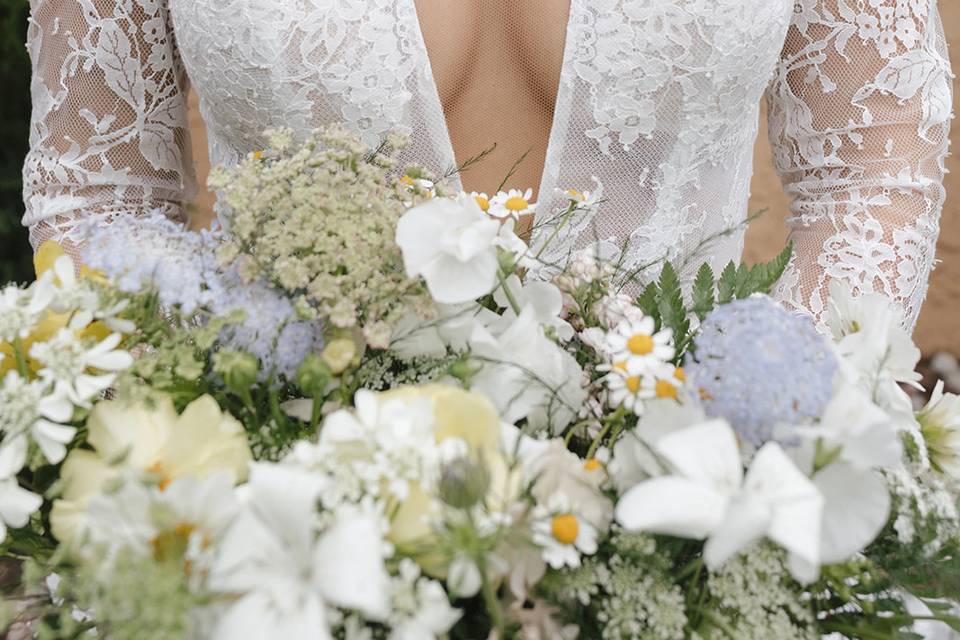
562 534
67 363
482 200
512 204
628 389
32 407
636 341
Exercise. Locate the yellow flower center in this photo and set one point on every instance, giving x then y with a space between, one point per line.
164 480
592 465
621 366
407 180
482 202
633 384
565 528
573 193
516 203
680 374
640 344
666 389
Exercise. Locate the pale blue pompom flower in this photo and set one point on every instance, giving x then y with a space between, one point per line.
761 367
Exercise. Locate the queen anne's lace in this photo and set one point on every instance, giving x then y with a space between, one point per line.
657 99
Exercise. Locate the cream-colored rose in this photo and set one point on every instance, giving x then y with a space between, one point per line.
148 438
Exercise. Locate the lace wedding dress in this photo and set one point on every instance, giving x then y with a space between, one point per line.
657 99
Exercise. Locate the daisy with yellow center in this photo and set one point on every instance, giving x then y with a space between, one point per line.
562 534
482 200
637 342
512 204
629 387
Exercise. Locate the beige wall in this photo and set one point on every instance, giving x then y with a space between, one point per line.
937 330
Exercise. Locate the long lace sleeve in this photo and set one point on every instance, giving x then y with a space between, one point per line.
108 131
859 113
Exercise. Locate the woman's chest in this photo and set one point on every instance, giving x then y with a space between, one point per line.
307 63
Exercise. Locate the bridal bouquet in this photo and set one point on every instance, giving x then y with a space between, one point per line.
352 413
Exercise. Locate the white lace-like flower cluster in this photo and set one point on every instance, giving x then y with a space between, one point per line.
59 340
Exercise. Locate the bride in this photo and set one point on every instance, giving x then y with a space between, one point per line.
655 99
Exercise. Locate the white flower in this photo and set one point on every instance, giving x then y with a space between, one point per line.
451 244
584 199
67 363
16 505
634 458
877 350
628 390
463 577
189 516
20 309
526 375
940 424
636 341
284 575
420 607
562 534
32 407
512 204
709 497
545 299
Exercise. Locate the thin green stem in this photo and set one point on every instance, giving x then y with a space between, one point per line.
21 358
501 276
565 217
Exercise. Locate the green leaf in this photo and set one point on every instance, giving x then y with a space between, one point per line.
673 313
727 283
648 301
704 297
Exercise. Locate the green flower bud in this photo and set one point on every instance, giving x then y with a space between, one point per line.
463 370
464 483
313 376
237 368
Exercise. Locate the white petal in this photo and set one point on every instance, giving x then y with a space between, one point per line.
672 506
746 521
856 509
796 503
451 281
51 438
348 565
13 455
706 452
16 503
111 361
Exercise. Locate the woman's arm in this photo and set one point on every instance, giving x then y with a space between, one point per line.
108 133
859 113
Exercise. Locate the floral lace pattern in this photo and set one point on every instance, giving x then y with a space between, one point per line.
866 180
657 100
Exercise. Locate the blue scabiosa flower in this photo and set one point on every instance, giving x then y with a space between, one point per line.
759 366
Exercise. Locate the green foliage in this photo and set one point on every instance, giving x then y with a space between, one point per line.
15 252
664 300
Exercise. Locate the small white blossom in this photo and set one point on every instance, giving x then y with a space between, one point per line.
66 362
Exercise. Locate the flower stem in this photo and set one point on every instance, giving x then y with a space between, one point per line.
506 291
556 230
21 359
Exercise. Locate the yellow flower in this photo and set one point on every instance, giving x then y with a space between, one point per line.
149 438
339 354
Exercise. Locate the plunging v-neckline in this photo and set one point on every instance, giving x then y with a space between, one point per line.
561 107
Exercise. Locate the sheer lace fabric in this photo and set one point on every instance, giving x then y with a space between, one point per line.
657 99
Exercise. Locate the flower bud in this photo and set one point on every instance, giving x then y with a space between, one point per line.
339 354
464 483
464 579
313 376
237 368
463 370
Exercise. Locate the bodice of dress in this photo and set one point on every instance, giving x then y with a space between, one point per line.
657 101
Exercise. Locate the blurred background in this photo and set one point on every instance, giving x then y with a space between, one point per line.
938 333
